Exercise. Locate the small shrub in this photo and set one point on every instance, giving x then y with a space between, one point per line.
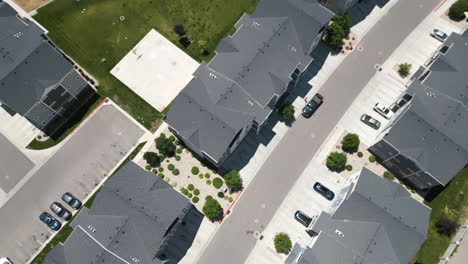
177 157
217 182
350 143
184 41
287 112
230 199
359 154
196 192
457 10
212 209
148 167
200 176
179 151
170 166
282 243
165 146
220 194
160 169
190 187
372 158
208 182
349 167
189 195
336 161
180 30
233 180
177 142
167 179
388 175
446 226
161 175
207 175
195 170
195 199
172 138
404 69
174 184
184 191
175 172
155 171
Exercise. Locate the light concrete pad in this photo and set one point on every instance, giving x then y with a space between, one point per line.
14 165
156 70
77 167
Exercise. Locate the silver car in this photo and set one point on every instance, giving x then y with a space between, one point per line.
439 35
370 121
60 211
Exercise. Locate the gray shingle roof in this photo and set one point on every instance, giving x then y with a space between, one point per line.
25 83
377 222
435 124
249 69
130 216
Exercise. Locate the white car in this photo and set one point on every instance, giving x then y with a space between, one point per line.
5 261
383 111
439 35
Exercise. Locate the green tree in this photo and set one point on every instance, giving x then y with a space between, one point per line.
233 180
404 69
334 35
282 243
165 145
287 112
152 159
212 209
350 143
344 21
458 9
336 161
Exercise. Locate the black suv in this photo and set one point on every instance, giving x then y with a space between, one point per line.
312 105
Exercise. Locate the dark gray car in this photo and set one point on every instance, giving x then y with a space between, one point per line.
312 105
302 218
71 201
60 211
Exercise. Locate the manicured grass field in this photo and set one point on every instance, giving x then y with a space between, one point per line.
98 34
451 203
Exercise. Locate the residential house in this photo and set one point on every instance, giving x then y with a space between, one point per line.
426 144
241 86
134 218
37 81
372 220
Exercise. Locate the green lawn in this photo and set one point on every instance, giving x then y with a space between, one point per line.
451 203
92 33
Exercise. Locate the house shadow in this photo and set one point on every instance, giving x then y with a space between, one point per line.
183 239
250 144
363 8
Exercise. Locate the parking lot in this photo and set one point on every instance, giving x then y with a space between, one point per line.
301 197
77 167
14 165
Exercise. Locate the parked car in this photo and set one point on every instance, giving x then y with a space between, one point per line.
383 111
50 221
439 35
370 121
60 211
71 201
312 105
324 191
5 260
302 218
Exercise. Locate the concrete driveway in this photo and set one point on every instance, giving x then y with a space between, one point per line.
77 167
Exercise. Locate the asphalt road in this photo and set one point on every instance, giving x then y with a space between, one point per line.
76 167
234 240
